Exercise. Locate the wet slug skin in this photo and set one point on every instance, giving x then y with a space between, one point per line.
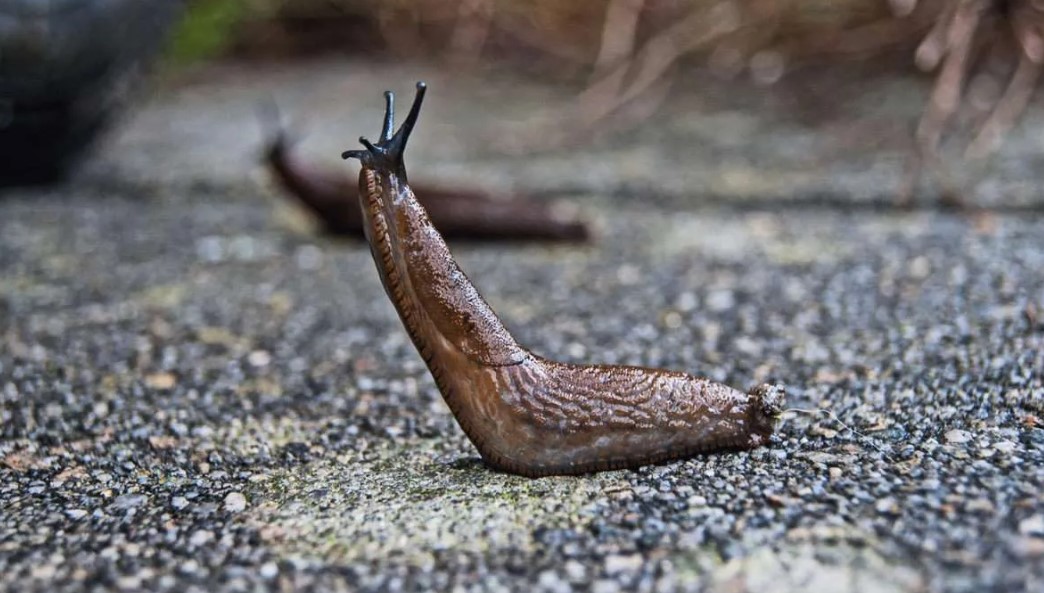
527 415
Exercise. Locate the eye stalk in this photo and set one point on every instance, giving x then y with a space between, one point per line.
387 154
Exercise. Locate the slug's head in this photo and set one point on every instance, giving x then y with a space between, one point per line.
386 155
766 406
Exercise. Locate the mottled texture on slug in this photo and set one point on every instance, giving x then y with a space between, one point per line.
525 414
460 213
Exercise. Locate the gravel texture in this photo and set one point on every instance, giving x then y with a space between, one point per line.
198 393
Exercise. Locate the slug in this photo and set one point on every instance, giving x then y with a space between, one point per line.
527 415
460 213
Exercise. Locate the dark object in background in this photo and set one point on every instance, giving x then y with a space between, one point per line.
66 68
459 213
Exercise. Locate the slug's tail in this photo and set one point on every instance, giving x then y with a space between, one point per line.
276 139
387 154
767 403
770 399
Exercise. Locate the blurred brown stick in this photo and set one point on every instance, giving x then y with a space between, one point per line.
460 213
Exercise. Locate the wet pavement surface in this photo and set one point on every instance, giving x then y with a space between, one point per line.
200 393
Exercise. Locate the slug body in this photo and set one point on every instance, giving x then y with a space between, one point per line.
460 213
525 414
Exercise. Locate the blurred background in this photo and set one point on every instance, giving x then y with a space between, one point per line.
931 86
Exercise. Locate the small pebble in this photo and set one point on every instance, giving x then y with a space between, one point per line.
1005 447
200 537
259 358
235 502
575 571
129 501
1032 526
268 570
550 581
616 564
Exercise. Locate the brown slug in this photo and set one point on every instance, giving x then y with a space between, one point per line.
459 213
527 415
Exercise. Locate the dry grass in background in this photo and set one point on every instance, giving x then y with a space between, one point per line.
986 55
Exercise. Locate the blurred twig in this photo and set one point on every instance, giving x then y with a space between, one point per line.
963 31
654 59
631 51
474 21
